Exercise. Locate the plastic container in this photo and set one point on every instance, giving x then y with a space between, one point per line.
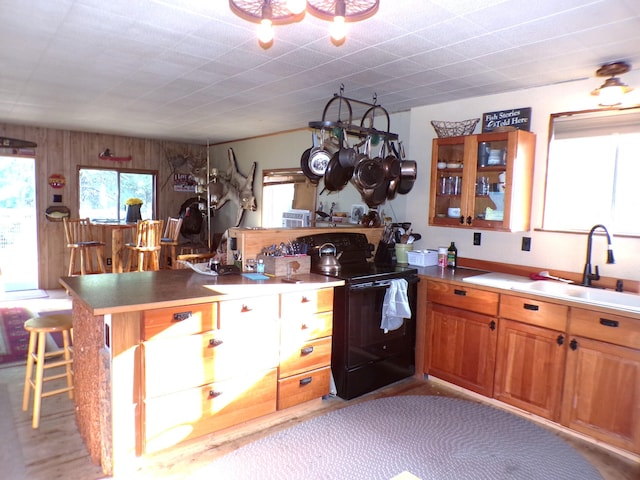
401 252
422 258
442 257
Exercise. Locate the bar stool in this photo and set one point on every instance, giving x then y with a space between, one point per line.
170 241
147 246
38 328
83 241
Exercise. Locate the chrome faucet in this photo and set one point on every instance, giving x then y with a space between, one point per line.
588 275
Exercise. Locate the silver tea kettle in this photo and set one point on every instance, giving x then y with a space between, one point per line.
328 262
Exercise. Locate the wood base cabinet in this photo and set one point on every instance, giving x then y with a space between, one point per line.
531 355
573 366
462 343
602 388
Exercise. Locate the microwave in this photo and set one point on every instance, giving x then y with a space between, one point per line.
296 218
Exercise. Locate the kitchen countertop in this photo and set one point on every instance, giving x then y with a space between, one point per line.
125 292
516 284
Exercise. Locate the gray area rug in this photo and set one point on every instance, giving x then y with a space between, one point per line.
11 460
430 437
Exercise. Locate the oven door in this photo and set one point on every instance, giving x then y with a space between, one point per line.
367 343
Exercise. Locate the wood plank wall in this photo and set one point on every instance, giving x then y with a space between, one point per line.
60 152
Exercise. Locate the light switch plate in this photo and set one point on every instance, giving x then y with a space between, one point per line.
477 238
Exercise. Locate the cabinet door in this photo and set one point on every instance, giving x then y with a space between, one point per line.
494 190
448 195
529 368
462 347
602 392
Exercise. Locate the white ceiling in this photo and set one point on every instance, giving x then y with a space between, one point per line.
191 70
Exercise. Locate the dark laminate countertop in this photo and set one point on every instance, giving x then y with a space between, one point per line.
125 292
449 274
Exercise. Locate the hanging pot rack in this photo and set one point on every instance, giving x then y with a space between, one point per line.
348 127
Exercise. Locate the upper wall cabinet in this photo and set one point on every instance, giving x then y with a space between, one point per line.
483 181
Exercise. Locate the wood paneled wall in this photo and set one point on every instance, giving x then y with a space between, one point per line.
60 152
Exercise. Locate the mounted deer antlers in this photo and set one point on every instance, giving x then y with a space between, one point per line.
239 189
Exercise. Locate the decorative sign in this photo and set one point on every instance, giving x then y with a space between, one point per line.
184 182
57 180
519 118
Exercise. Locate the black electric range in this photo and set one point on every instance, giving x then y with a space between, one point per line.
364 357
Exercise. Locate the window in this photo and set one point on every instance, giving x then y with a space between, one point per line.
592 172
103 193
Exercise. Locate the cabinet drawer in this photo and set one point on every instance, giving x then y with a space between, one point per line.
194 360
534 312
191 413
185 320
308 327
472 299
240 313
609 328
303 387
306 302
300 357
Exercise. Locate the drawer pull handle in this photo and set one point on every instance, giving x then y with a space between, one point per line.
179 317
306 350
560 340
608 323
492 325
215 342
214 394
573 344
305 381
245 309
530 306
462 293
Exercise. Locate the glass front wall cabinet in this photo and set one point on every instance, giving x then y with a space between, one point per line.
483 181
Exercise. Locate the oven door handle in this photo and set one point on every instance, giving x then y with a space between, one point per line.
384 284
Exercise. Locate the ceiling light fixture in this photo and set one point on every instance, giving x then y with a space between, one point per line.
610 93
268 13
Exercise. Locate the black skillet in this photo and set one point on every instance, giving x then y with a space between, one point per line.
336 176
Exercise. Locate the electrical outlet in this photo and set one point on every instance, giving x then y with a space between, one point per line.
526 244
477 238
108 261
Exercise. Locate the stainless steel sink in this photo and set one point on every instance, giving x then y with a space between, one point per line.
593 296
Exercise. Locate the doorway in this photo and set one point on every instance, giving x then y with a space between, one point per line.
18 224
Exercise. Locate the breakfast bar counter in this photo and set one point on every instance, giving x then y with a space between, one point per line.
168 356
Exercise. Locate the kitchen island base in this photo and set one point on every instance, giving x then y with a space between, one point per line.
152 376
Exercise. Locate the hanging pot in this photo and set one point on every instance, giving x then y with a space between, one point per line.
408 174
368 174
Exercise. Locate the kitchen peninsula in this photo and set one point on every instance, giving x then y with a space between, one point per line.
165 357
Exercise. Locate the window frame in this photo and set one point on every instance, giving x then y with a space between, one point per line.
552 117
153 173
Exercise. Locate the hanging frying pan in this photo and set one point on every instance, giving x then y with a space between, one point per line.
336 176
304 164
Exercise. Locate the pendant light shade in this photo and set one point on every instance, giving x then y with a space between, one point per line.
611 92
268 13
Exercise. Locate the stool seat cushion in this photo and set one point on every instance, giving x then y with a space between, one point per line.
51 323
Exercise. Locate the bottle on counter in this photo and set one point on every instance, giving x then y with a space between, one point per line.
260 266
452 256
442 257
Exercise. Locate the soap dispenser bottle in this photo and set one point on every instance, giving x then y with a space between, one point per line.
452 256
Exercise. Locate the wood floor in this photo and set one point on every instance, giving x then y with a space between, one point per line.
55 450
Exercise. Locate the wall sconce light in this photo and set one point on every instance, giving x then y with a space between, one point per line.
268 13
610 93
